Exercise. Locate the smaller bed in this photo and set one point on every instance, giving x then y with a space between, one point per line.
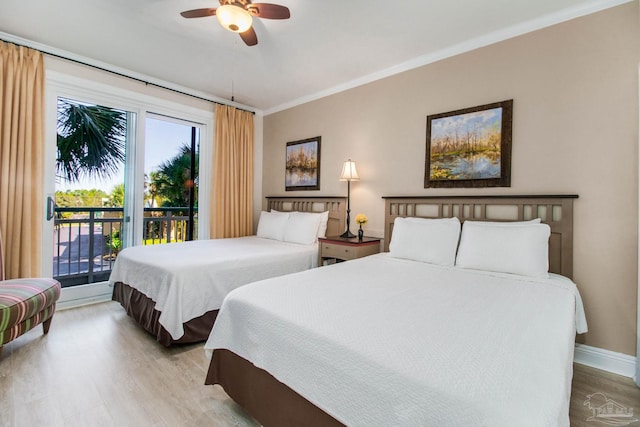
174 291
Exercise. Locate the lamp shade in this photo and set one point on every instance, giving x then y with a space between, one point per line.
349 172
234 18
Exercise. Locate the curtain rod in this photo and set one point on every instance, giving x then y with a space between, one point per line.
77 61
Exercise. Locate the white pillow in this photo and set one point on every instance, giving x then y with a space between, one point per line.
324 218
271 225
302 228
426 240
508 223
504 247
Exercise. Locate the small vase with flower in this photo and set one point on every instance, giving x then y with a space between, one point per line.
361 220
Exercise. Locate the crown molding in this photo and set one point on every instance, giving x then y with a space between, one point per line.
467 46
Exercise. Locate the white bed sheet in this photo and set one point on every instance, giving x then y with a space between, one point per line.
381 341
190 278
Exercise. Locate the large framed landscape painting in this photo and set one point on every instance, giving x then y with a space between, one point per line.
302 171
470 147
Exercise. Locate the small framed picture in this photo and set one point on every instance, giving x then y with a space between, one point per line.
302 170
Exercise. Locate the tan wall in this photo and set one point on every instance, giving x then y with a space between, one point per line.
575 130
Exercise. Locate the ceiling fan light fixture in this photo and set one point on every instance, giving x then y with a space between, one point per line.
234 18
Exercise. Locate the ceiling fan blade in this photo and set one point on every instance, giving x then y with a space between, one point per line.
199 13
269 11
249 37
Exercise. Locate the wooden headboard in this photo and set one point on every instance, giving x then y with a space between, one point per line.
555 210
337 207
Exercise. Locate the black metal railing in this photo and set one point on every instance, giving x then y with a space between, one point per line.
87 240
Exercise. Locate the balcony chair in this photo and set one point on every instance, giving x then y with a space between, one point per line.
24 304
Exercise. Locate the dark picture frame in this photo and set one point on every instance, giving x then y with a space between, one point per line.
470 147
302 165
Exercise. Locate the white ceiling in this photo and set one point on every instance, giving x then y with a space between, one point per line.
326 46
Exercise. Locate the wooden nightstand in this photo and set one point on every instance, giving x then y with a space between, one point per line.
342 249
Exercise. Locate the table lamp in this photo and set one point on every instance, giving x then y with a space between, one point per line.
349 173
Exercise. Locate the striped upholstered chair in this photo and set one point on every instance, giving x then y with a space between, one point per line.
24 304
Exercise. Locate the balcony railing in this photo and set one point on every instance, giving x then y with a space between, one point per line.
87 240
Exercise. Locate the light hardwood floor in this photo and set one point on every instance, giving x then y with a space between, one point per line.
97 368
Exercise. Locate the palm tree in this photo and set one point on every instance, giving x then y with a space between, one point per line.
172 185
173 181
91 140
117 195
151 189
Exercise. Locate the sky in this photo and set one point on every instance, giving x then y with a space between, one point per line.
465 122
163 141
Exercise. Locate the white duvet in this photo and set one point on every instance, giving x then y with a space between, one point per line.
188 279
381 341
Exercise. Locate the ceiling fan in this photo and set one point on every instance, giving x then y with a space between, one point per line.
237 16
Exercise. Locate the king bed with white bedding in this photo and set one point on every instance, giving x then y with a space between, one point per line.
438 331
175 290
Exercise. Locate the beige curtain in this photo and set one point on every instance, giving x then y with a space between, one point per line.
21 159
232 202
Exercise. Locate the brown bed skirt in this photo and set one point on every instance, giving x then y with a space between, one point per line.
268 400
142 309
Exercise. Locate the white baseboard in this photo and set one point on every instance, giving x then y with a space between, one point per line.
76 296
82 301
610 361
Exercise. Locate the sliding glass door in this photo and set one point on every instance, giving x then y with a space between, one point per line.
89 203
